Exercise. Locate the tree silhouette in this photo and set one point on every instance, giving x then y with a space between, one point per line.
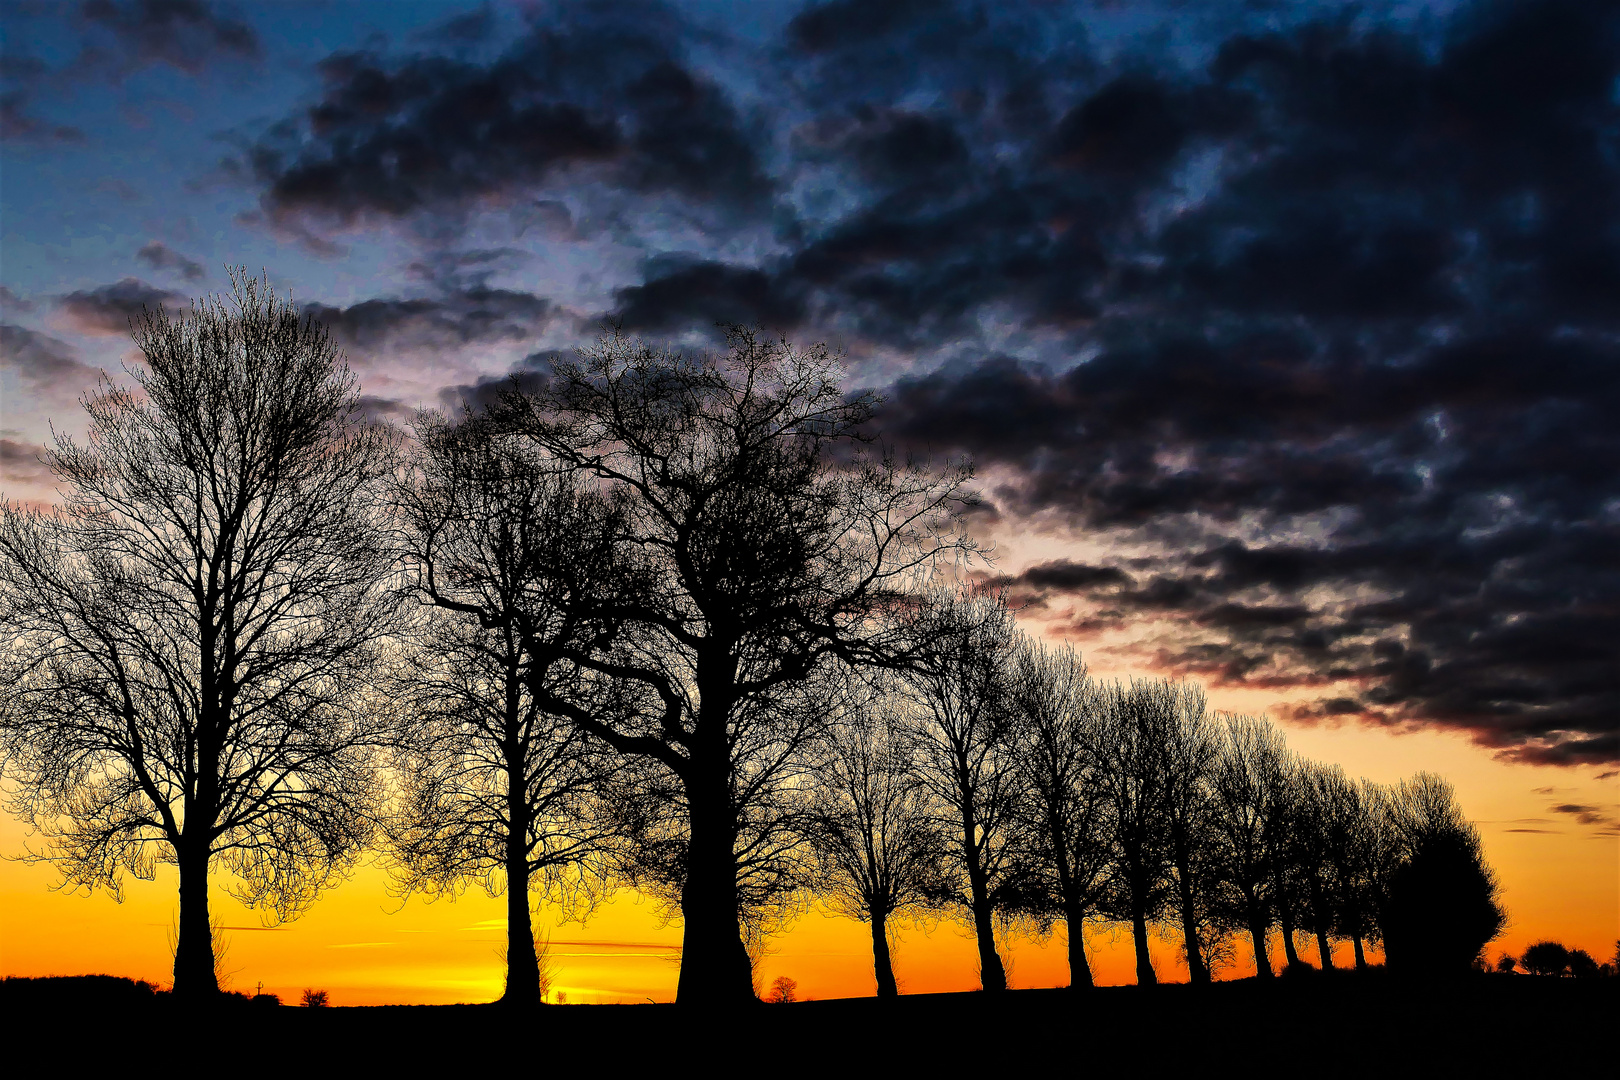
188 641
878 847
1244 778
1187 756
777 548
1440 905
1546 958
1055 711
496 786
1311 854
1129 747
966 758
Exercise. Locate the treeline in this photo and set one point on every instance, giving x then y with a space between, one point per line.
999 780
646 619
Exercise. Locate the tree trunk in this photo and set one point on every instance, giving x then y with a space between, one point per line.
715 970
1079 966
1145 975
1324 950
1257 933
1197 971
1361 956
1285 916
992 975
194 977
1319 916
522 962
881 963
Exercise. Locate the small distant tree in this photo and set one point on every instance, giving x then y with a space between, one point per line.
188 644
1581 964
1546 958
314 999
1506 964
783 991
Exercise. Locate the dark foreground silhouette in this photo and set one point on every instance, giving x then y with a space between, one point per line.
1310 1025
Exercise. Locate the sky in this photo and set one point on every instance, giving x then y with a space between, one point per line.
1283 336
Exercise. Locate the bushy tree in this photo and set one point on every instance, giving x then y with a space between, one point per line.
1439 902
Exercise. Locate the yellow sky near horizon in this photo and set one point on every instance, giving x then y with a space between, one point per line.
1560 878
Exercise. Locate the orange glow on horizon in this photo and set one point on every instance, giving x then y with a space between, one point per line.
366 947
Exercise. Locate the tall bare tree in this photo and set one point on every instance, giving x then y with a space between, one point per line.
966 754
1056 708
1188 757
188 641
776 547
1128 745
496 785
1243 780
879 850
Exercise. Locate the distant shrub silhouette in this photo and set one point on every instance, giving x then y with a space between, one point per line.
783 990
1506 964
314 999
1546 958
70 993
1581 964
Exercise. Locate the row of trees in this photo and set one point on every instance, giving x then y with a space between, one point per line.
998 780
655 620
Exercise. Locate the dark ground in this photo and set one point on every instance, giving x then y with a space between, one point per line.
1342 1025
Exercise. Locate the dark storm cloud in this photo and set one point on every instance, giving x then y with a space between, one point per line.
160 256
185 34
475 315
679 294
487 390
597 85
110 309
43 362
1320 331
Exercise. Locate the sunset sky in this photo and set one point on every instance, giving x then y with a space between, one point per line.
1285 337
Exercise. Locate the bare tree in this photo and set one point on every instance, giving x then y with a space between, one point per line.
1128 746
965 754
1286 799
188 641
878 847
1056 708
1190 744
496 786
775 548
1243 781
1347 818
